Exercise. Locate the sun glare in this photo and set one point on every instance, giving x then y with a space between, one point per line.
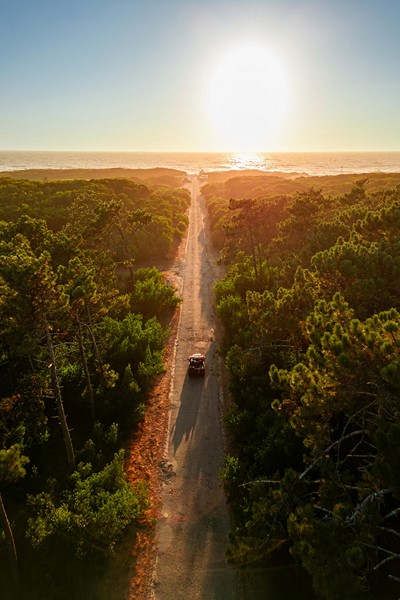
247 99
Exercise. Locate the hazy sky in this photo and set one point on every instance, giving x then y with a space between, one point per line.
200 75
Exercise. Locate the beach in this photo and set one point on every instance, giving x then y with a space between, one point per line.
306 163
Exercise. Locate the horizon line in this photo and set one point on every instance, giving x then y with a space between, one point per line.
243 152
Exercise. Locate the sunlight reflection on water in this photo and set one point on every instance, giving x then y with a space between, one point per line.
310 163
249 161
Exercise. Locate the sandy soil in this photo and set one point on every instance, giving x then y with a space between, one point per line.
180 446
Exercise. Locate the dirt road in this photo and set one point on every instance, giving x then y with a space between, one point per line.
192 533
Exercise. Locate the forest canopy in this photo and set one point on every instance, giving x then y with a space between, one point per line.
309 305
84 318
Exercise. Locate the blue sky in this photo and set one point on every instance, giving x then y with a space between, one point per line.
128 75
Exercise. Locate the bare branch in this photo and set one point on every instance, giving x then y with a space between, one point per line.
393 531
393 513
390 555
368 500
328 449
328 513
350 420
259 481
361 455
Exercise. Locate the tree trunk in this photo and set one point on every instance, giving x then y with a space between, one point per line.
92 337
253 252
57 393
87 374
126 252
12 551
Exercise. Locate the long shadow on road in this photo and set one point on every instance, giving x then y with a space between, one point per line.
188 412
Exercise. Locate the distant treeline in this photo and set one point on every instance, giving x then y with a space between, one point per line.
152 177
309 305
82 333
221 187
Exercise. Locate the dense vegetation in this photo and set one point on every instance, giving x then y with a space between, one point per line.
222 187
82 330
152 177
309 306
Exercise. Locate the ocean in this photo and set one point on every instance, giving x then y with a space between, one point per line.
308 163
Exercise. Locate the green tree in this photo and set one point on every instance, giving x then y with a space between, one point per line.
151 296
34 306
92 515
12 468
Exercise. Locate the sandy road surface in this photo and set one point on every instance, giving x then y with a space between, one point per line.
192 532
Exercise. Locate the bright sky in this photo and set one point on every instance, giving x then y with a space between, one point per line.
200 75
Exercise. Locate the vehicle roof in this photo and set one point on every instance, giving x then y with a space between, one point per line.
196 355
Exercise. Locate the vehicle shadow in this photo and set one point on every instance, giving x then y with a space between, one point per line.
190 397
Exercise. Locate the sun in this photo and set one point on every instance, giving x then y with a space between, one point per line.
247 98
